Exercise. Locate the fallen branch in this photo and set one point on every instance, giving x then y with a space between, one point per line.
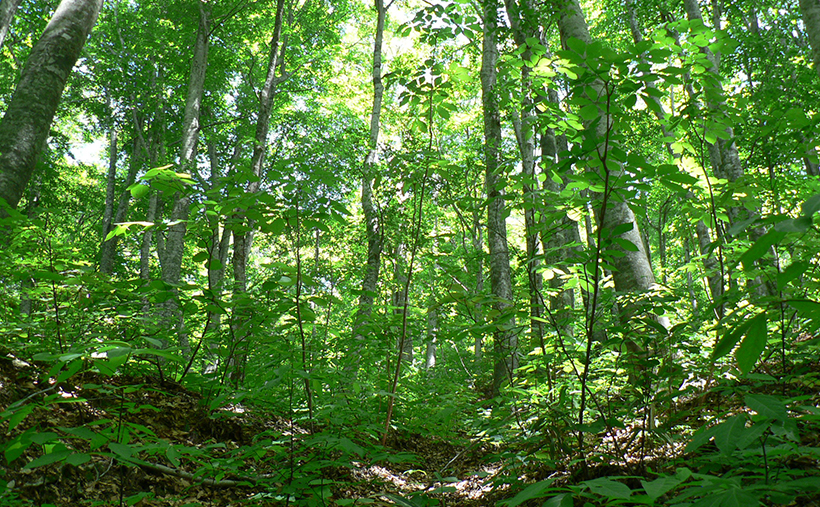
223 483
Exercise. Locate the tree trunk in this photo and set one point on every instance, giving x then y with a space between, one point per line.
7 10
524 126
25 126
399 303
170 256
372 227
243 236
505 338
632 270
109 248
432 337
810 10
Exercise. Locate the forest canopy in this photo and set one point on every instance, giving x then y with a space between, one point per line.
409 252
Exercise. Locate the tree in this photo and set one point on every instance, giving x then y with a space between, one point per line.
25 126
505 346
811 18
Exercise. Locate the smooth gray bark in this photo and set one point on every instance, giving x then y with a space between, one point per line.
7 10
810 10
524 123
633 271
109 248
370 280
173 246
25 126
505 338
243 237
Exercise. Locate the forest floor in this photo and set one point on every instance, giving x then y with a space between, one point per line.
180 453
95 440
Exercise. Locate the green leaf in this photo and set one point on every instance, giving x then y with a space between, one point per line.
589 112
768 406
78 459
729 432
47 459
532 491
562 500
138 190
609 488
660 486
760 248
794 270
753 344
700 437
811 206
120 449
730 339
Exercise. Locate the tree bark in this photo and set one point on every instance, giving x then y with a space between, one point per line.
810 10
7 10
171 254
25 126
370 280
524 127
505 337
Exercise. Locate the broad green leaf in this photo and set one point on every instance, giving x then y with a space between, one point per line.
753 344
730 339
811 206
138 190
700 437
760 248
78 459
794 270
121 449
660 486
729 432
562 500
47 459
768 406
532 491
609 488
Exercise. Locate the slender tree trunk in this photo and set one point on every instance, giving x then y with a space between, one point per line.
25 126
109 248
524 127
724 154
170 256
110 188
7 10
362 319
432 337
399 303
505 337
243 235
477 233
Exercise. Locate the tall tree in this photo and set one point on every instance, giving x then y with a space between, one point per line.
25 126
505 335
243 233
171 250
370 280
